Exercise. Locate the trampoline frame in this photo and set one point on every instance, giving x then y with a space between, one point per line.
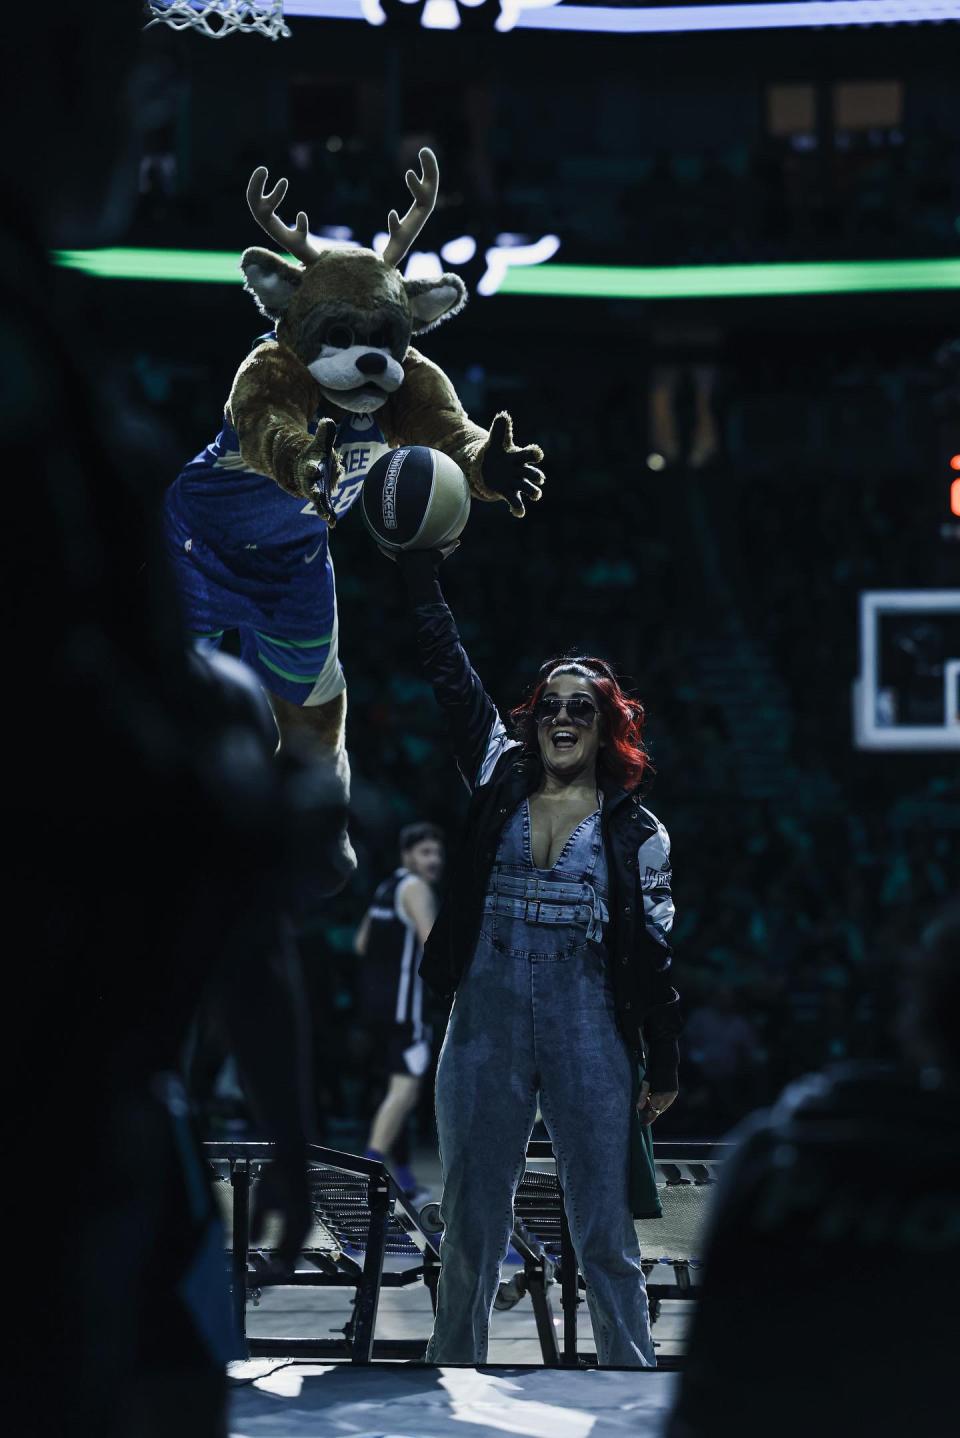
388 1216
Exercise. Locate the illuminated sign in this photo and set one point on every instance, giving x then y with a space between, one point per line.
662 282
518 269
223 266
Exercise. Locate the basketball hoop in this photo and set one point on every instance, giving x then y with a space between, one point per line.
216 18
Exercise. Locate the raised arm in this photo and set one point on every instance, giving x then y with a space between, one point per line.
478 733
272 402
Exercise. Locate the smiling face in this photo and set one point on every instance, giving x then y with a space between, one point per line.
569 744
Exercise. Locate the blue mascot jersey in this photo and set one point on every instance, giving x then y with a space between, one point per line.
234 506
250 557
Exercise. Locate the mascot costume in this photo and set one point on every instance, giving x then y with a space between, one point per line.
330 389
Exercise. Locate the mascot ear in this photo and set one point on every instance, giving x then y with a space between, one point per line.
272 281
433 301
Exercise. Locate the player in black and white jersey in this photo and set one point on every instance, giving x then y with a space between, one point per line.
390 941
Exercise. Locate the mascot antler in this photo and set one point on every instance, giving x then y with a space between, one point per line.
423 188
263 207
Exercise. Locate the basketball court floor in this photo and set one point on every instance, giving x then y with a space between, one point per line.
406 1401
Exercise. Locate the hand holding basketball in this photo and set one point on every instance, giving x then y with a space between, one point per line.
435 556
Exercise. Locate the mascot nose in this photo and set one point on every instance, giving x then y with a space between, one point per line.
372 363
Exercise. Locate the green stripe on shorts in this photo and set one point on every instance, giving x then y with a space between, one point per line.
285 673
296 643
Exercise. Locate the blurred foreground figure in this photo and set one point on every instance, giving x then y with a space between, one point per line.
156 842
390 941
829 1302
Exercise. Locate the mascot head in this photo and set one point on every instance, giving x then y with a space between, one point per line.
348 314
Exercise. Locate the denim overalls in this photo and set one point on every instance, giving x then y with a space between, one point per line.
535 1014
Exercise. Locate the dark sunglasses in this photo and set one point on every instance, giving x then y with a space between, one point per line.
579 710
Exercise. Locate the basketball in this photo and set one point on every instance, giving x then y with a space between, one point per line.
415 498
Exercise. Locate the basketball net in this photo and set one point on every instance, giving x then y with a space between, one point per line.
216 18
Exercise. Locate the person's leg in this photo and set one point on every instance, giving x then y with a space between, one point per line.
399 1102
486 1102
320 728
307 689
297 655
585 1097
294 649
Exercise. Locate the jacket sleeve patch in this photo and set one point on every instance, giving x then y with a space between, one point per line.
655 870
497 745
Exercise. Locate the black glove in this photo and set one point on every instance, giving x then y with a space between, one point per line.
509 471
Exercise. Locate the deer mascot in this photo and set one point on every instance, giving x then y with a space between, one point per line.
334 384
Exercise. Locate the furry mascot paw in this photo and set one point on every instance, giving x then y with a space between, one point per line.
319 471
511 472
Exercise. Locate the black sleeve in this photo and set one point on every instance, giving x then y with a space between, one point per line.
476 728
661 1029
661 1018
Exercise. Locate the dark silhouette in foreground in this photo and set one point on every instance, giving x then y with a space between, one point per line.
156 841
837 1224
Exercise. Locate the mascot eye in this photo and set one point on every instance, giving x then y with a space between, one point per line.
340 336
380 339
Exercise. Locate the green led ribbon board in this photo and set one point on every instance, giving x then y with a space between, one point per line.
613 282
636 282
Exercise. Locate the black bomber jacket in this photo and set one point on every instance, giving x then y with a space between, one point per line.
500 775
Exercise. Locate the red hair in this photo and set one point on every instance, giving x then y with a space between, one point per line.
623 756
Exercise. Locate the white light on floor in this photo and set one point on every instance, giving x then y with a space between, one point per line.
489 1402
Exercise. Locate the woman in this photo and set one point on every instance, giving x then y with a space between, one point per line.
554 939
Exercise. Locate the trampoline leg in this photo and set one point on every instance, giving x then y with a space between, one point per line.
569 1292
368 1289
543 1313
431 1275
240 1179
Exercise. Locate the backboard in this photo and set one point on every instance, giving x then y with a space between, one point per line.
907 693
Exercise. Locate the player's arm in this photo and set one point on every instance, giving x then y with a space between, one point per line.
362 936
272 401
477 731
419 904
426 410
